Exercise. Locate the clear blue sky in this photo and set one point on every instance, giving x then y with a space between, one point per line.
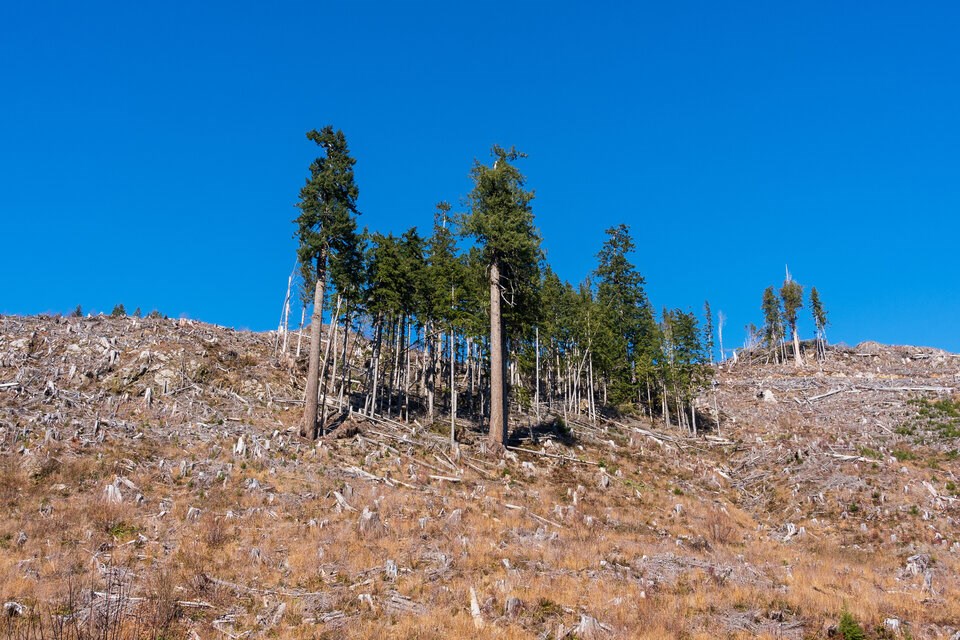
151 153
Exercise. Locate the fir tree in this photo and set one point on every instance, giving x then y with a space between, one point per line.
624 315
325 227
772 321
820 322
501 222
792 295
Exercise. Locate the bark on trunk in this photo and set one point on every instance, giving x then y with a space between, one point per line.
498 414
797 358
309 426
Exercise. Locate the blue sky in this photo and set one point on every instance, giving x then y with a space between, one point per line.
151 153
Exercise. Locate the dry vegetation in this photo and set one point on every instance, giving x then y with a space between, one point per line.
194 510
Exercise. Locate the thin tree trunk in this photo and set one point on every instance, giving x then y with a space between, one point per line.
430 373
286 315
309 426
590 400
498 385
375 365
536 375
453 386
323 368
344 363
666 406
303 316
406 378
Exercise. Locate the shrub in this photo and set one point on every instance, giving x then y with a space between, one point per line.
849 628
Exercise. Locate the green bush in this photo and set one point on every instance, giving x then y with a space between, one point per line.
849 628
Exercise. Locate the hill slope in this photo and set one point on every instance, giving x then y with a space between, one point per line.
152 484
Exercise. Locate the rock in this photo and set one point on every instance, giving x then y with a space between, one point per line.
13 609
892 624
767 396
455 518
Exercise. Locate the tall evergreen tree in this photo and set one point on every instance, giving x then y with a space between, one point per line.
772 321
708 330
501 222
444 274
624 314
792 295
819 321
324 227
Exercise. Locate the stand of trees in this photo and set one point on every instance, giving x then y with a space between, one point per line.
780 313
471 320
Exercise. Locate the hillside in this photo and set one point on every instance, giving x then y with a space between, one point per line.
153 484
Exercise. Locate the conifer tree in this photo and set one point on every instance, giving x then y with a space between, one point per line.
792 295
501 222
772 321
708 330
444 274
819 321
325 227
623 314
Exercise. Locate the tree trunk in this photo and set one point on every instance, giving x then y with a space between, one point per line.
406 376
309 426
285 316
453 384
323 365
344 363
498 390
303 315
797 358
430 374
536 375
375 366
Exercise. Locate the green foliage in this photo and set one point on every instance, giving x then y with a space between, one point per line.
904 454
849 628
326 227
772 318
940 417
77 313
816 308
867 452
501 224
137 313
625 337
791 294
118 311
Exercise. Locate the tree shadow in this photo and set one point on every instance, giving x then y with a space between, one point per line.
550 429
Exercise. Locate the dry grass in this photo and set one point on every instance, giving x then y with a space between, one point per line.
687 542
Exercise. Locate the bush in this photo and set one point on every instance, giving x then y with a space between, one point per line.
849 628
